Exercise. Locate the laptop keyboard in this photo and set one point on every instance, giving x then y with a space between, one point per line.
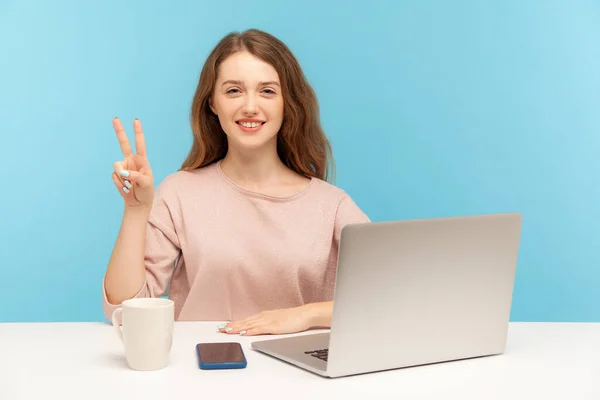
320 354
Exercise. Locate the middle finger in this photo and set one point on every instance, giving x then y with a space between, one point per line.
234 326
123 141
244 326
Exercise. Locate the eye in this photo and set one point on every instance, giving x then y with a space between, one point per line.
269 91
232 91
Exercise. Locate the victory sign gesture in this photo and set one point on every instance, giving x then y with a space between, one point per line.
133 176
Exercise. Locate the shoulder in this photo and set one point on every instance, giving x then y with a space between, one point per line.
342 201
181 181
328 191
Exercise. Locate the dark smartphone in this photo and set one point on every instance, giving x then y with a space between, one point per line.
226 355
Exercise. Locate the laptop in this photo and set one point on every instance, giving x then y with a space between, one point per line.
413 292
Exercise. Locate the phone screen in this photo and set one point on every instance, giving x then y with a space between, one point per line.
221 353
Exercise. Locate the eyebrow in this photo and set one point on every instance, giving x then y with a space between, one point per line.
240 83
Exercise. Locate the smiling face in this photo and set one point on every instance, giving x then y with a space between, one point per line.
248 102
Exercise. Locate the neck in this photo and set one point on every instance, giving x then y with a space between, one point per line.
256 167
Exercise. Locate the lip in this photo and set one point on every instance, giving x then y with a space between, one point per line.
250 130
249 120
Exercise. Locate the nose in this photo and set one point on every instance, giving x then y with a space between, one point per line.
250 106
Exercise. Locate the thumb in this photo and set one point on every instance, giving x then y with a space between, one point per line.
145 171
137 177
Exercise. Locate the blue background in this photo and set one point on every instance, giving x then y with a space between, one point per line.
434 108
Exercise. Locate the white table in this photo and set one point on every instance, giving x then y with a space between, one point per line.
85 361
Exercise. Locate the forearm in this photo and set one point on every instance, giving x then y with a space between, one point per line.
125 274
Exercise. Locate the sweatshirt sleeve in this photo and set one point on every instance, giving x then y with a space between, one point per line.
161 251
348 212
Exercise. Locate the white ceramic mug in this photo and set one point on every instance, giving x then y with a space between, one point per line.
146 331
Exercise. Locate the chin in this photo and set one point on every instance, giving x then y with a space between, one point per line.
253 141
245 143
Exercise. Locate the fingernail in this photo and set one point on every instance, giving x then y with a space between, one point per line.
128 184
242 332
222 326
228 329
124 173
125 190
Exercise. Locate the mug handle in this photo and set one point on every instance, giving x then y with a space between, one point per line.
117 314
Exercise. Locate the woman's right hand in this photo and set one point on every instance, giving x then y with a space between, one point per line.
133 176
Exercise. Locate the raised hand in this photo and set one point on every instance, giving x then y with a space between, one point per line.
133 176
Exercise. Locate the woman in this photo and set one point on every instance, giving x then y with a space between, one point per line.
247 231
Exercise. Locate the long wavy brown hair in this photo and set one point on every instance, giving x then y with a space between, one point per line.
301 143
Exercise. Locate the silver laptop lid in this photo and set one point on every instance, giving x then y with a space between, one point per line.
422 291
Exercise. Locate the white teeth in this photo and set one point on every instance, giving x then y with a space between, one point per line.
250 124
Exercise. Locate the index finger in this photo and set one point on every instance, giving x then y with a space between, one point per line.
123 141
140 141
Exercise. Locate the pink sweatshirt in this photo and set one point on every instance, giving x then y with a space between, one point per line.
239 252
